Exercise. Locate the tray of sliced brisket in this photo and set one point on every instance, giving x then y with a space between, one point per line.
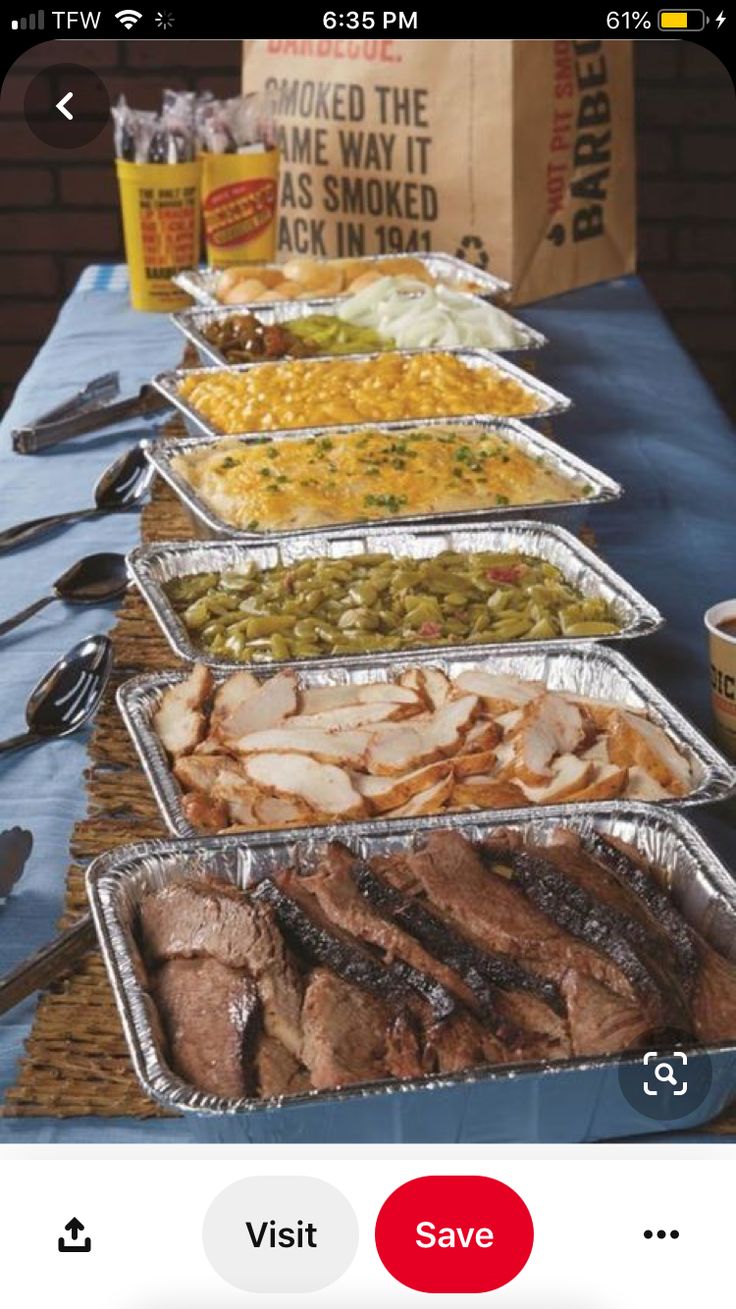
485 981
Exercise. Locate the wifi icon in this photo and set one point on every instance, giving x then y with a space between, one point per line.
128 17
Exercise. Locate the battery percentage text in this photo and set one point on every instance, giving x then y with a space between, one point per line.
629 21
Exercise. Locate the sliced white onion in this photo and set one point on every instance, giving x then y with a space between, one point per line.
438 316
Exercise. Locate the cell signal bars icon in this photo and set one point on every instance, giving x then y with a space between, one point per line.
128 17
31 23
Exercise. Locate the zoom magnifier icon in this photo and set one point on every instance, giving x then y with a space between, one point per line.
662 1070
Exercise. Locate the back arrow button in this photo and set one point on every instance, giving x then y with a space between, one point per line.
74 120
61 106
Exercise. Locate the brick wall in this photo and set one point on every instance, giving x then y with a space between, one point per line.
58 212
686 114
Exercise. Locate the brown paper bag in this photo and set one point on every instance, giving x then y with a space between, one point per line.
516 155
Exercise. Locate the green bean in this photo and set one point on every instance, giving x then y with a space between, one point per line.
197 615
424 612
280 647
236 581
236 645
364 594
305 628
512 629
267 626
499 601
222 602
542 630
591 629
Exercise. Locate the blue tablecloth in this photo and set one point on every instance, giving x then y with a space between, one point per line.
642 413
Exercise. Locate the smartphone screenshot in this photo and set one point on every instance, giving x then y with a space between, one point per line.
367 659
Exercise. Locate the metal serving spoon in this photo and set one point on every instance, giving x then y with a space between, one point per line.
92 580
68 694
120 487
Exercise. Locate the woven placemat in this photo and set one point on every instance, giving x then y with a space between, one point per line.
76 1061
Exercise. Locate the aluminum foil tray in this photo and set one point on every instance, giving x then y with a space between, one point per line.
552 401
587 669
200 283
569 1100
207 522
193 322
152 566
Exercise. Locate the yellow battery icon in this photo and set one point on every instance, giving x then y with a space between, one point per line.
681 20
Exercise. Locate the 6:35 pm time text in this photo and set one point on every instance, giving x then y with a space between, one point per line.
354 20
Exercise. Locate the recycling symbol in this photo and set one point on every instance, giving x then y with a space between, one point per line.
473 249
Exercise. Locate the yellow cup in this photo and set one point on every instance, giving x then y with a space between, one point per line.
239 206
161 216
723 672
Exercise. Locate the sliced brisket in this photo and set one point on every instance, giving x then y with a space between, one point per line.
589 919
345 904
345 1032
601 1022
642 884
320 943
277 1071
192 918
499 915
525 1029
714 999
426 962
210 1017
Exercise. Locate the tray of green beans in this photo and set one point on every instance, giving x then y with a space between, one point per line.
378 592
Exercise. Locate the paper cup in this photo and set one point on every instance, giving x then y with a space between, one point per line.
239 204
161 219
723 673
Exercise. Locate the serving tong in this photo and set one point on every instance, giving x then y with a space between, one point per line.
93 407
52 962
55 959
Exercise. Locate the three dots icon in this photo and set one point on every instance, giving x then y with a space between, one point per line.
661 1234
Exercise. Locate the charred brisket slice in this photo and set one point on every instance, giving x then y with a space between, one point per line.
475 968
396 982
429 931
437 1034
496 914
332 888
638 923
584 916
210 1017
498 970
524 998
707 976
642 884
568 855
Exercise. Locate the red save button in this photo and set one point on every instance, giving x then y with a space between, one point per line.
454 1234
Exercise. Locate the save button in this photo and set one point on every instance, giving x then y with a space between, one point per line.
454 1234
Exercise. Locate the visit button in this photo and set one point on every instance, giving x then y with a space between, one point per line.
454 1234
